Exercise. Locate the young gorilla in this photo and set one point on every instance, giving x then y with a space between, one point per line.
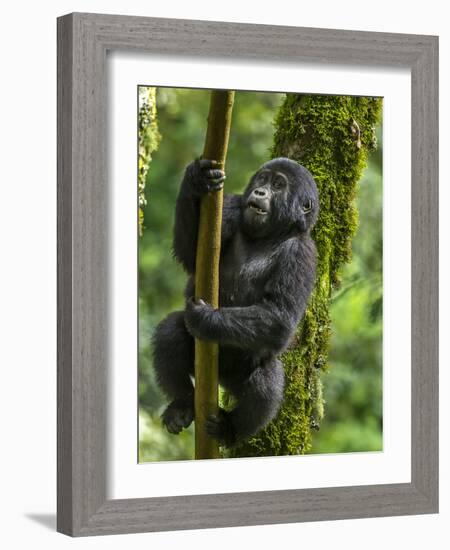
267 271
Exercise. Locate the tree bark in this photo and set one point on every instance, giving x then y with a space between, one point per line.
331 136
149 138
207 272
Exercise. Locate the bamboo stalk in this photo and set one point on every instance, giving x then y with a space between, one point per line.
207 272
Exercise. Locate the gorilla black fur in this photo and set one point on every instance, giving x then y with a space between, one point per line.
267 272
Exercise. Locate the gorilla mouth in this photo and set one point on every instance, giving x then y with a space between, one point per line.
257 208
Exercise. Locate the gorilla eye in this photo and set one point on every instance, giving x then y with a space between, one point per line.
261 178
307 207
279 182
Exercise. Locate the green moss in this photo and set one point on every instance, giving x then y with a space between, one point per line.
149 138
331 136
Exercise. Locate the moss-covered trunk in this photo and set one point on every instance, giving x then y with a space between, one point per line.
331 136
149 138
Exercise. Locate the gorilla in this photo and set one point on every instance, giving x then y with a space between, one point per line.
267 273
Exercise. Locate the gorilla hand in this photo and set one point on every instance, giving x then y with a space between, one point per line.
198 317
204 177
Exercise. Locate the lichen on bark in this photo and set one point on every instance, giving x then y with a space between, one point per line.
149 138
332 137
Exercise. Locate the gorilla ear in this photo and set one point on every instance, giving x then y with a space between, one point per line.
302 222
308 206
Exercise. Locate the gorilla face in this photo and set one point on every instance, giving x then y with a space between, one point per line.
281 198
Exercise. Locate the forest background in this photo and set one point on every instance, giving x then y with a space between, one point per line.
353 380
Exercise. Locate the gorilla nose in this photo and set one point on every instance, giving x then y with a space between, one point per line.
260 193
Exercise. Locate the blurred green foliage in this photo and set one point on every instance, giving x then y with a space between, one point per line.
353 385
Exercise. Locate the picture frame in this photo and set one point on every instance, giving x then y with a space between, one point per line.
83 40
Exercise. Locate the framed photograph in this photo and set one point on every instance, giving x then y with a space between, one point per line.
247 274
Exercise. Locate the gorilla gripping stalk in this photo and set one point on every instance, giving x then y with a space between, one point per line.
207 272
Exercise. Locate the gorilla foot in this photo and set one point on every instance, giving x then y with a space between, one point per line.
221 428
178 415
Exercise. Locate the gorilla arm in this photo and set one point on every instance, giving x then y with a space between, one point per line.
268 324
255 327
200 178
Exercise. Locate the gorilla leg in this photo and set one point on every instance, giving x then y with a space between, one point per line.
259 398
173 361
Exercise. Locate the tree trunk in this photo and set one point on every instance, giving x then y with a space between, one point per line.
207 272
149 138
331 136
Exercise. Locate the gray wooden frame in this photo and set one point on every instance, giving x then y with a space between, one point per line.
83 40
